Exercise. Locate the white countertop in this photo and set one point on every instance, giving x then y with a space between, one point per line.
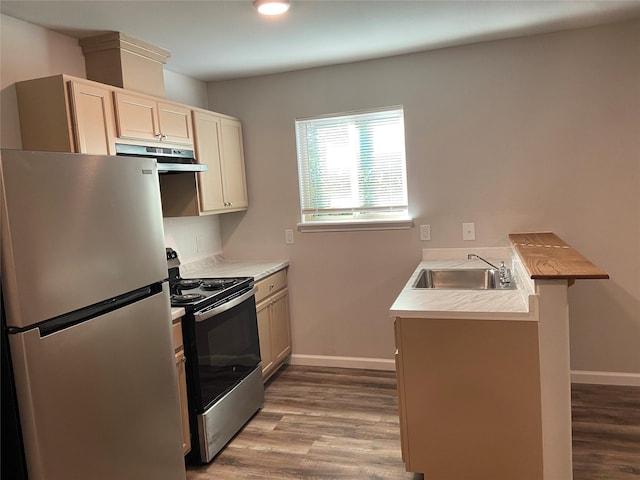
176 313
215 267
513 304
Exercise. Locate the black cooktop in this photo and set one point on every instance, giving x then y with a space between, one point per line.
195 293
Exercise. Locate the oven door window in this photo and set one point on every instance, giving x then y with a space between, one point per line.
228 349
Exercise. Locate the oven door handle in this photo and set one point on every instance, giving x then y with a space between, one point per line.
207 314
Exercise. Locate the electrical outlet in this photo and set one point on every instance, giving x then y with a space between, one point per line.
468 231
425 232
288 236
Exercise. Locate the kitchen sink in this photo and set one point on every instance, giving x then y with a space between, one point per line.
463 279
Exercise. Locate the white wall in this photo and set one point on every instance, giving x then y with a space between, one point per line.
183 89
530 134
537 133
193 237
28 51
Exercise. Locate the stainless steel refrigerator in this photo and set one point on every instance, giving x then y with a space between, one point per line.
88 317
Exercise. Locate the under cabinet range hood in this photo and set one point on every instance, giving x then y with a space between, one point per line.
170 160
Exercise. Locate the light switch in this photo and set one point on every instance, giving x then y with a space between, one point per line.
468 231
288 236
425 232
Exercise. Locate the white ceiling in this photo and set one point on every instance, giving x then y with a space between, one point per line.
223 39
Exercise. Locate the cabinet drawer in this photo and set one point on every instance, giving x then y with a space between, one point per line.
271 284
177 335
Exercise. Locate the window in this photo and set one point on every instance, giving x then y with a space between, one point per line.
351 168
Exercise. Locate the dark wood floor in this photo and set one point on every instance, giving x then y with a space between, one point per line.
329 423
606 432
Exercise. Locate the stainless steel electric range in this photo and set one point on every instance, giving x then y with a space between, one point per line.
224 373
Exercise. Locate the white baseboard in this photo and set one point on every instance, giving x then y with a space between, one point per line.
577 376
342 362
605 378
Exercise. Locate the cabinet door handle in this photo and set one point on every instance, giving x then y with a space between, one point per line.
165 136
159 136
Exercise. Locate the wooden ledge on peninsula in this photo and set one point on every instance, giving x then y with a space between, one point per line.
547 257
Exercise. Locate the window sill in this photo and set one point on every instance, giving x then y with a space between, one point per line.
355 225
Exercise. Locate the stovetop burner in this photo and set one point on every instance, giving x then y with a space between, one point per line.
188 283
194 293
199 293
217 283
186 298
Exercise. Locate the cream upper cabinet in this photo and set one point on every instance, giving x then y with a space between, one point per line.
66 114
274 325
218 144
139 117
93 119
234 184
223 187
207 146
175 123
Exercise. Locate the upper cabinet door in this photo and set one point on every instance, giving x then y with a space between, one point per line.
145 118
137 117
218 144
93 119
233 174
207 144
175 123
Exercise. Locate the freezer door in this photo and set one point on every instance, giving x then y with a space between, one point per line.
99 400
77 229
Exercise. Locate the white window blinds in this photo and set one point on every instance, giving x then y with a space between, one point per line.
351 166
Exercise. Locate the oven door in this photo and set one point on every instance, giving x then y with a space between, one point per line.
227 346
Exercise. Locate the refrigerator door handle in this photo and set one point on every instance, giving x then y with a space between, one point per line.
70 319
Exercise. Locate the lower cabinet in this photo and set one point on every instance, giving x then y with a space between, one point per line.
469 398
181 375
274 329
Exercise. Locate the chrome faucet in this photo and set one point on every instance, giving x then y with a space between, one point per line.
505 273
471 255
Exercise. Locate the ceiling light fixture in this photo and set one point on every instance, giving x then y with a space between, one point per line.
271 7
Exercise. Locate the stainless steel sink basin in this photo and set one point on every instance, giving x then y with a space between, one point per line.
463 279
